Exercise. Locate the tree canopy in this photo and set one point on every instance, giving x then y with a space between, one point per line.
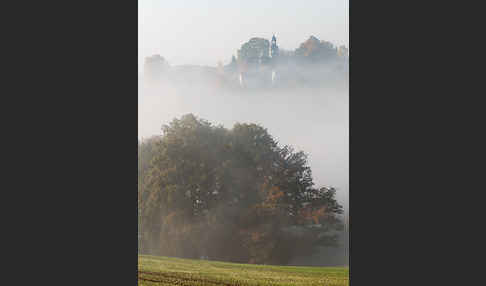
230 194
315 51
255 51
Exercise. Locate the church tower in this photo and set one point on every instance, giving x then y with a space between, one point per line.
274 53
274 47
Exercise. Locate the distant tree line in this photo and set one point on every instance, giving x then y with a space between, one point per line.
261 63
312 51
230 194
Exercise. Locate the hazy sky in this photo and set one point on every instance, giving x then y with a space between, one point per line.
204 32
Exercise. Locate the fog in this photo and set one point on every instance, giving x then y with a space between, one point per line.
190 37
315 120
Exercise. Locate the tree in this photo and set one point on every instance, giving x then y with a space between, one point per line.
255 51
315 51
233 195
155 67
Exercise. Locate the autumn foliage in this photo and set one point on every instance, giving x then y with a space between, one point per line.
230 194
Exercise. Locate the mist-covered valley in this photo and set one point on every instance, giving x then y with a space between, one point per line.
237 192
313 119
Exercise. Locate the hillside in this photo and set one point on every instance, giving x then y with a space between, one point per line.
154 270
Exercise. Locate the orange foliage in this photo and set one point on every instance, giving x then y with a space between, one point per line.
309 47
271 193
170 218
255 236
274 195
313 215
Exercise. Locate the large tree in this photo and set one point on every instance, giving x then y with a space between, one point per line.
231 194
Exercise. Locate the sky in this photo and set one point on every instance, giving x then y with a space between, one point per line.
203 32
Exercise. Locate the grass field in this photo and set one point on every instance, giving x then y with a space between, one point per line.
153 270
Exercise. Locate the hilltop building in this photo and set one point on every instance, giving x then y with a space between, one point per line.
260 63
274 48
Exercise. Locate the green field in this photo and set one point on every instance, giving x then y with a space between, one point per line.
153 270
